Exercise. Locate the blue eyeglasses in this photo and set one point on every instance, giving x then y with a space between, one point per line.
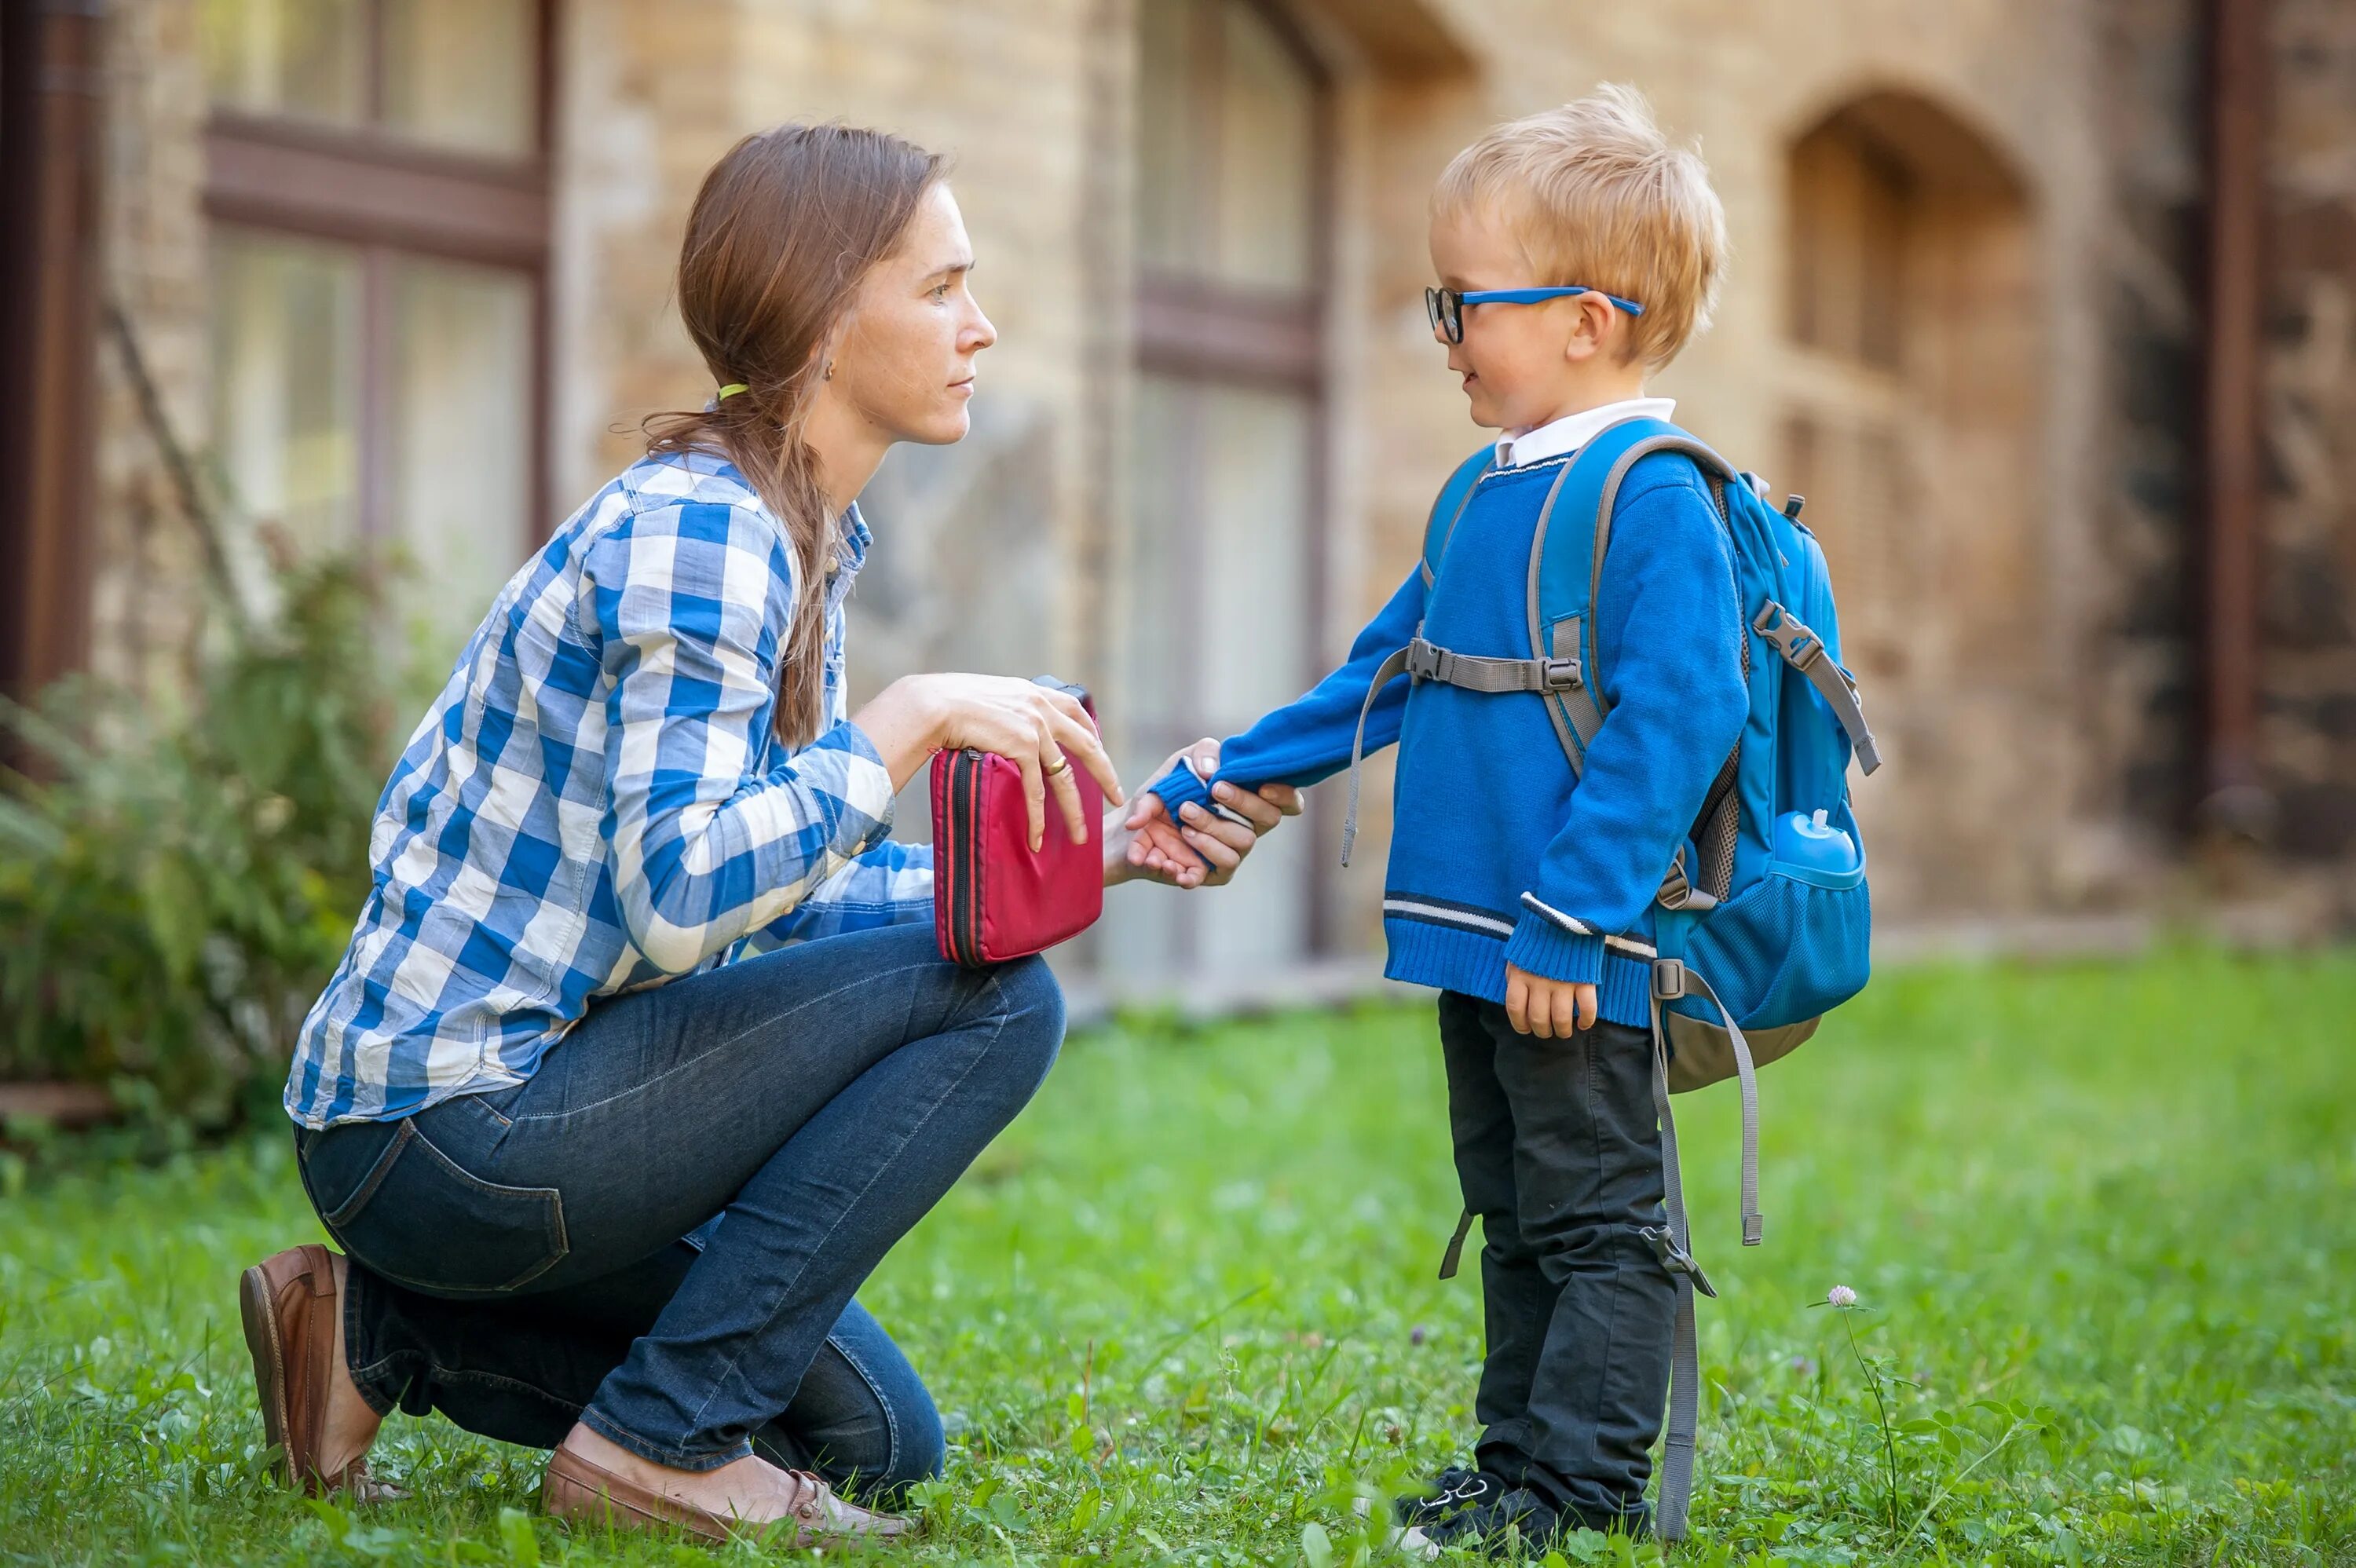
1446 306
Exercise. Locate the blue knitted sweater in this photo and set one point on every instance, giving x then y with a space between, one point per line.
1499 853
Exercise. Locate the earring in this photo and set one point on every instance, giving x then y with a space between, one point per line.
829 371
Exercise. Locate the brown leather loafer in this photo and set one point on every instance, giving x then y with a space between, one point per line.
574 1488
288 1304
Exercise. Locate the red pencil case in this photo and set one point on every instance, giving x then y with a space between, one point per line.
993 899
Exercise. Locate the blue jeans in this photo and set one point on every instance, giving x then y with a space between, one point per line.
660 1232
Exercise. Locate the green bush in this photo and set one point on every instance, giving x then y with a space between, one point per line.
174 891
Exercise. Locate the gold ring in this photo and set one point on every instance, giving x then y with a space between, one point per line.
1062 765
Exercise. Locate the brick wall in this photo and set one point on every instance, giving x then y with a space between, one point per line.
150 587
655 94
2308 672
1996 561
2049 771
2146 659
2143 703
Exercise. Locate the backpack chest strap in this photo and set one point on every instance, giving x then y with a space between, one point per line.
1423 660
1472 672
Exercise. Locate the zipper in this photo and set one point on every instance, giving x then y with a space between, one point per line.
963 917
948 855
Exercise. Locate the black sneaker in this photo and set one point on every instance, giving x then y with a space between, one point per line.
1497 1526
1452 1490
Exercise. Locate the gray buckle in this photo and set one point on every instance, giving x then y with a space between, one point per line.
1678 893
1675 1259
1789 636
1562 675
1668 979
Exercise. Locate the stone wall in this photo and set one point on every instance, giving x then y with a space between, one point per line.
2308 671
1042 174
150 589
653 95
2141 707
2145 660
1958 820
2042 760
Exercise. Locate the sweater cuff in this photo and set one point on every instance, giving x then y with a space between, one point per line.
1179 786
1544 948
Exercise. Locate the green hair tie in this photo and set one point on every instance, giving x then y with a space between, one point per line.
733 388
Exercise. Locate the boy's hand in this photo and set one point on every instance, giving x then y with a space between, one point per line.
1203 849
1550 1010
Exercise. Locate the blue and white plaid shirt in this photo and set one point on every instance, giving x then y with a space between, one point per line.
596 802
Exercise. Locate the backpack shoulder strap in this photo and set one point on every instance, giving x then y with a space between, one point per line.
1448 506
1566 570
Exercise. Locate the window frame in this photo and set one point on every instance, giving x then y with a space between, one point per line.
384 195
1191 328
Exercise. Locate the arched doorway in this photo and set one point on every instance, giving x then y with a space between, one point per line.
1910 393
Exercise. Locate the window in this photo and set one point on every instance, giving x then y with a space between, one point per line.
377 184
1220 562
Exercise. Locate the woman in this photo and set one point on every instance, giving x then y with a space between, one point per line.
609 1139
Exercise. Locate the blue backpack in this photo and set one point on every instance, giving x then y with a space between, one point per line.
1764 921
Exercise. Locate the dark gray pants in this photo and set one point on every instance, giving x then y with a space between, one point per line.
1558 1152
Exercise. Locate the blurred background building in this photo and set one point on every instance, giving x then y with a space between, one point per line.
2048 308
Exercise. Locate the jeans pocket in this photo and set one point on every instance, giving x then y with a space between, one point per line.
420 1219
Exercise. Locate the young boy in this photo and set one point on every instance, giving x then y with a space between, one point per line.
1524 892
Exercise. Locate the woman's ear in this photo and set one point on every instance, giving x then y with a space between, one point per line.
822 353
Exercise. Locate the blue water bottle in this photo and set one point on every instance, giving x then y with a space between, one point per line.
1813 842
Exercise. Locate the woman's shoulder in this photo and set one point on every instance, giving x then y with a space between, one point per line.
664 480
679 522
702 493
683 494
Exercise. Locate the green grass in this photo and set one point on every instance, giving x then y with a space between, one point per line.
2102 1220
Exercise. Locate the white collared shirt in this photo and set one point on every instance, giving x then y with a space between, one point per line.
1572 432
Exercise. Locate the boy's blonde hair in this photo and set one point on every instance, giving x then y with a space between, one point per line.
1597 197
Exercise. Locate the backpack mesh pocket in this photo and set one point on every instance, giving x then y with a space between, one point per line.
1788 948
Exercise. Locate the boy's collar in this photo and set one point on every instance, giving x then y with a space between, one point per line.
1572 432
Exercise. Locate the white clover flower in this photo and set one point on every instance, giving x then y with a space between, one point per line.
1840 1298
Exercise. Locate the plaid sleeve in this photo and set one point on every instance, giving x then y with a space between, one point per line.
892 884
691 601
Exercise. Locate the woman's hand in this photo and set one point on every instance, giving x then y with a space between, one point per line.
1044 731
1203 849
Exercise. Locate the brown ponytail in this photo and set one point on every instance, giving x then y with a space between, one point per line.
785 226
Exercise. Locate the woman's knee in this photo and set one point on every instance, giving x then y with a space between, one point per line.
920 1448
878 1457
862 1417
1031 1004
